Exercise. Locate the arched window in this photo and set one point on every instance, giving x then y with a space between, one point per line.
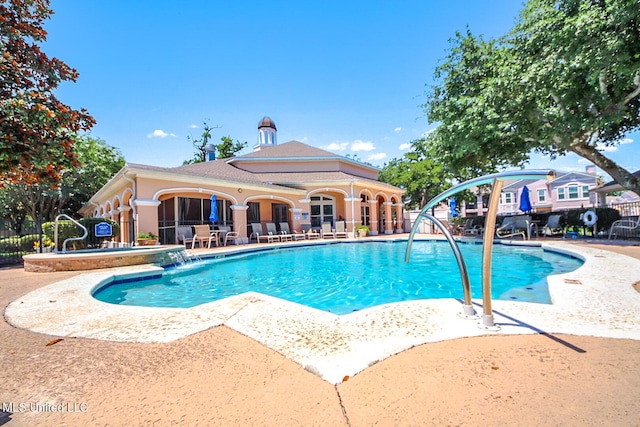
322 210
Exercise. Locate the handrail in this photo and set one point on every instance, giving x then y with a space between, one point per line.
495 178
64 244
467 308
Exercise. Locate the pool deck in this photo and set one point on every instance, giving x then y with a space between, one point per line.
596 300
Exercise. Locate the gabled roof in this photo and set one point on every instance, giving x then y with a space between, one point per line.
291 149
569 176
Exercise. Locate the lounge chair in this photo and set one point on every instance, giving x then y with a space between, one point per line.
627 225
273 231
203 233
260 236
309 233
286 231
340 230
513 226
471 229
553 227
327 232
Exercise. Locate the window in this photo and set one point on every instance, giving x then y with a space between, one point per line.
253 213
542 195
561 194
193 211
364 209
573 192
506 198
585 191
322 210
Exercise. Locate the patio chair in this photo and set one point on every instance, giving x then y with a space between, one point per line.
286 231
226 235
185 235
627 225
513 226
203 233
340 230
451 229
327 232
553 227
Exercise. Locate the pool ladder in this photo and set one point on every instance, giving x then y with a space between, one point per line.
497 181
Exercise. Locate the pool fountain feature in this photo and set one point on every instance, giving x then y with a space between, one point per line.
106 258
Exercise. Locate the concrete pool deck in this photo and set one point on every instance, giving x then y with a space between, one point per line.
222 377
598 300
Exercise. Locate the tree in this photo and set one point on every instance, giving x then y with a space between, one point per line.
227 148
419 172
36 129
97 163
565 79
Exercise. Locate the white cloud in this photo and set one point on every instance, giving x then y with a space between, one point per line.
428 132
159 133
303 139
626 141
397 130
193 126
377 156
404 146
606 148
336 146
359 145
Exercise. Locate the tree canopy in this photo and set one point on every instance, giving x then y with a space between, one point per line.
565 79
97 163
36 129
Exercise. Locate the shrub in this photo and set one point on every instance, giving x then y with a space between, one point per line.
147 236
28 242
10 244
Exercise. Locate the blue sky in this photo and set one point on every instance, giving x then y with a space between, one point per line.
347 76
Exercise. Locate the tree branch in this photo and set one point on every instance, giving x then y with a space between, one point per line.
617 172
633 94
603 82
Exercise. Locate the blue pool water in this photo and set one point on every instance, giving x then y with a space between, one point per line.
342 278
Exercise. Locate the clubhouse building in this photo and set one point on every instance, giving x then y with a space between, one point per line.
291 182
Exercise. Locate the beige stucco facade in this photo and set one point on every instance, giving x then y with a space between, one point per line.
292 182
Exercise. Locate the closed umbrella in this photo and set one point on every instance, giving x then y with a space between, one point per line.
213 216
525 202
452 205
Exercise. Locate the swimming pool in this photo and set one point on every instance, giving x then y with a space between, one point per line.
346 277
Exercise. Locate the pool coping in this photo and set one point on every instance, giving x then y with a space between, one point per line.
597 299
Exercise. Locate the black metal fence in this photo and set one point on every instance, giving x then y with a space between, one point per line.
629 212
17 240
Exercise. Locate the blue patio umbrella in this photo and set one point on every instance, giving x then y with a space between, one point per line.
525 202
452 205
213 216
